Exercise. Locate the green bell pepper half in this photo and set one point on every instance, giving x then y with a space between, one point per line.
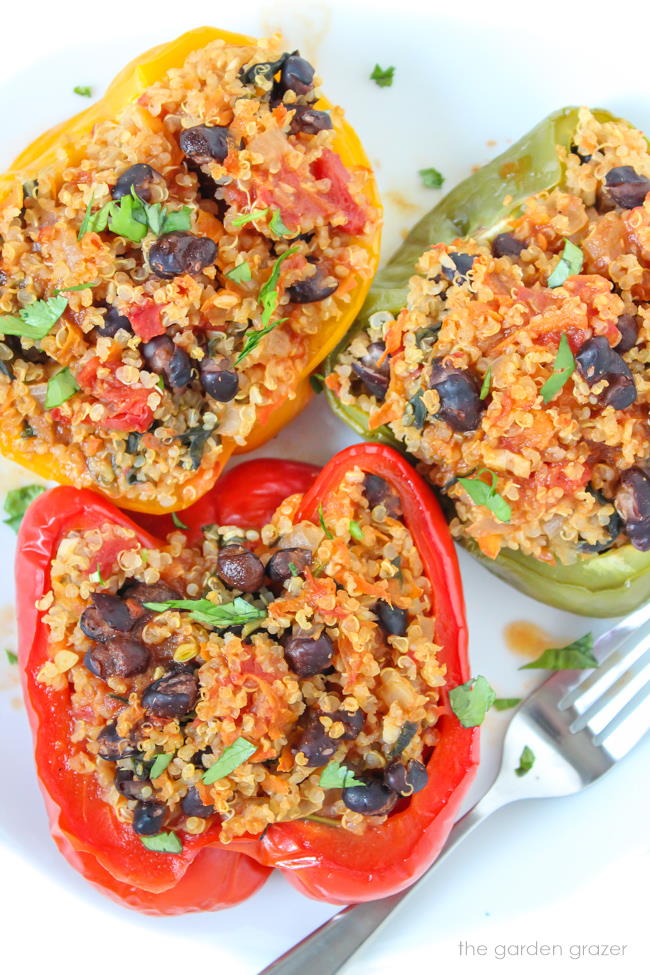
612 583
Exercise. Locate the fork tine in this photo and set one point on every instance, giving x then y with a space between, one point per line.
628 727
614 664
615 697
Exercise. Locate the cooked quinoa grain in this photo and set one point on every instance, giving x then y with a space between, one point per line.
517 373
244 708
210 229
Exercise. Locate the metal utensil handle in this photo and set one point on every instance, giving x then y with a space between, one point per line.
329 947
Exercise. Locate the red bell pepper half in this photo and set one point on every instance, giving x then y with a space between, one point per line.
324 862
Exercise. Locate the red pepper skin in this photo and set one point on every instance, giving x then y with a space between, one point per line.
340 867
323 862
205 876
246 495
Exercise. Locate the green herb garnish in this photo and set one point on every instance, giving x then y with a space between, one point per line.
338 776
505 703
11 657
236 613
486 494
571 262
317 381
293 569
526 761
18 501
355 530
485 385
132 218
241 273
177 522
77 287
563 367
162 843
277 225
383 77
253 338
416 410
60 388
125 218
160 764
431 178
576 656
470 702
96 576
248 217
268 296
34 321
84 90
321 518
231 758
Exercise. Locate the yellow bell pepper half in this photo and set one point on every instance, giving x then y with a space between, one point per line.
63 145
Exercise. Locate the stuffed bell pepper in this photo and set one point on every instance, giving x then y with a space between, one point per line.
506 347
238 697
174 261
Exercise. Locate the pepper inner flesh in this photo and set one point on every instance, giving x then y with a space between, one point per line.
516 374
310 688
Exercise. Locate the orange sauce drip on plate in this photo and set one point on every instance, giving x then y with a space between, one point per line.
528 639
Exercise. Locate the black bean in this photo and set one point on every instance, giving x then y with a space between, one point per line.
119 656
374 376
171 696
169 360
149 817
113 322
240 568
156 592
205 143
507 245
309 655
263 71
34 355
628 326
373 798
462 266
583 157
219 379
130 786
297 75
279 566
392 620
597 361
140 178
314 742
113 611
633 505
626 187
460 402
352 722
181 253
309 120
311 289
193 805
378 491
407 779
111 747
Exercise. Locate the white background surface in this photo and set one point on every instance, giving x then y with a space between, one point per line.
565 872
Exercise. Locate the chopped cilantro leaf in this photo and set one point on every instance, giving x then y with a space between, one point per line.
571 262
231 758
338 776
17 503
248 217
383 77
431 178
355 530
160 764
11 657
84 90
563 367
162 843
236 613
526 761
60 388
575 656
241 273
470 702
35 320
321 517
486 495
177 521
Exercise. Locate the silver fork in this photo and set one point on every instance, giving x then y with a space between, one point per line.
578 724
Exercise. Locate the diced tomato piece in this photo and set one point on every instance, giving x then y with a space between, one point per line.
145 319
329 166
126 406
104 560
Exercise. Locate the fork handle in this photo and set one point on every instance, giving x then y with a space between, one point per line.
326 950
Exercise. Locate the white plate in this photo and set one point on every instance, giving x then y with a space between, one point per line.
467 83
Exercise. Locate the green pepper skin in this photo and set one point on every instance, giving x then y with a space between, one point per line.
606 585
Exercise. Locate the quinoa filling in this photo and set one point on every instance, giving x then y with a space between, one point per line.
257 678
163 293
518 371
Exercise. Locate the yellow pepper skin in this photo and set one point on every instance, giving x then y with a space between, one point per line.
63 145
